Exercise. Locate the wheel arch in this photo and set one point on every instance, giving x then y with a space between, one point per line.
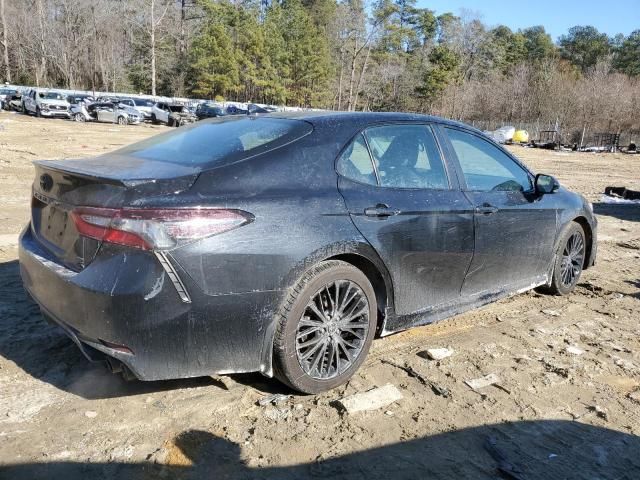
377 278
588 233
359 254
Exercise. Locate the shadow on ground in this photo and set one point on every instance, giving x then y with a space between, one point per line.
621 211
521 450
46 353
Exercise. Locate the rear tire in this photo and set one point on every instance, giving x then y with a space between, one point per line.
569 261
154 121
325 327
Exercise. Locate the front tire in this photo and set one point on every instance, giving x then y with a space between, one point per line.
569 261
325 327
122 120
78 117
38 113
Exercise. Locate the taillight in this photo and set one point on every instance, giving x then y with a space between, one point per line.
155 229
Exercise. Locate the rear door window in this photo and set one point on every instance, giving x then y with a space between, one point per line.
407 156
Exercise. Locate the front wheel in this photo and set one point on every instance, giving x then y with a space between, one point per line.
38 113
569 261
326 327
78 117
122 120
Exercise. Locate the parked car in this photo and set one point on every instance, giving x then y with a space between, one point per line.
140 104
252 109
108 112
209 110
171 114
235 110
257 109
6 94
14 102
80 98
284 243
46 103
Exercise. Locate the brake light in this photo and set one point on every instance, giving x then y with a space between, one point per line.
155 229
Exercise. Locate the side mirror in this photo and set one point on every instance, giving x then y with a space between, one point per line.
546 184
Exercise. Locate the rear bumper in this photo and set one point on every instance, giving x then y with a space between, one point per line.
125 298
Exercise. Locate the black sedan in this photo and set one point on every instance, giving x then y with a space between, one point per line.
283 244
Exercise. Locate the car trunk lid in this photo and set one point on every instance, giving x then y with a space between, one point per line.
110 181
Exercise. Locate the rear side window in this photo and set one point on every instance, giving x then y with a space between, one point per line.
355 162
207 143
486 167
407 156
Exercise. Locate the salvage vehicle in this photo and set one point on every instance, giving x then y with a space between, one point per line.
209 110
6 94
171 114
107 112
14 102
140 104
284 243
46 103
80 98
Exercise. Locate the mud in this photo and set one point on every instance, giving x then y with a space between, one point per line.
555 413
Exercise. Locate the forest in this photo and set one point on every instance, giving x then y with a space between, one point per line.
388 55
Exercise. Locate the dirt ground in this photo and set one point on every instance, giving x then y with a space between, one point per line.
553 414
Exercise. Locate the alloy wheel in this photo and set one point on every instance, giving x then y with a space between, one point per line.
332 330
572 259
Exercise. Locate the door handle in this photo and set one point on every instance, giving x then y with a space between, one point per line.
486 209
380 210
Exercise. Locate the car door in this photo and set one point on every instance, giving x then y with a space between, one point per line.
106 112
402 198
515 228
30 102
164 113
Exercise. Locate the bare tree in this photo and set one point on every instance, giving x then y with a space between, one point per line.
5 43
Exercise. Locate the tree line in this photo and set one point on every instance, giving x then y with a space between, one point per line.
338 54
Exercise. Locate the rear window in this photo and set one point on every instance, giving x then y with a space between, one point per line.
208 142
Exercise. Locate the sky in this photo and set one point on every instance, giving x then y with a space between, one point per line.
557 16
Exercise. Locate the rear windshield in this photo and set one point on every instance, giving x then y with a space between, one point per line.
176 108
209 142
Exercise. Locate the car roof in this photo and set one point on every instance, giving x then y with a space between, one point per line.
364 118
